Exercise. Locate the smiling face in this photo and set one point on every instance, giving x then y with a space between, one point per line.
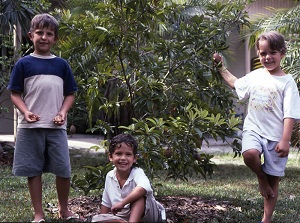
269 58
123 158
43 40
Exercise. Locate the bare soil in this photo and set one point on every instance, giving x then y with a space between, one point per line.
178 208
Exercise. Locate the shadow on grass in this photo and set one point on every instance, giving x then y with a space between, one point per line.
237 186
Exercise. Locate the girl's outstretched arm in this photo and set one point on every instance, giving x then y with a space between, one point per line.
227 76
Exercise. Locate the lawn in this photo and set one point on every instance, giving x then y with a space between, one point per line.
230 195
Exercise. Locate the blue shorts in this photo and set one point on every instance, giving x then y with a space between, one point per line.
41 151
273 164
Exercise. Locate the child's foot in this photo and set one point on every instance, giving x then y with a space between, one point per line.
265 221
39 217
265 188
69 216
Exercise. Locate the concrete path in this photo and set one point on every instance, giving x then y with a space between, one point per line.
86 141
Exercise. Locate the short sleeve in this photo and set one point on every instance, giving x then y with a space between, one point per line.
70 85
291 101
105 196
16 82
241 86
142 180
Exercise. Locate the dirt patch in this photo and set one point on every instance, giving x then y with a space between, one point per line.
178 208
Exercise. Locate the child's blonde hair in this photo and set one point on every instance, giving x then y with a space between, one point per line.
275 40
42 21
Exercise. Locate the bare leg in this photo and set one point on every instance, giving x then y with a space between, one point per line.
270 203
35 190
137 210
63 189
252 160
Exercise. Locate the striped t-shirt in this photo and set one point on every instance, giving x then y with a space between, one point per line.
43 82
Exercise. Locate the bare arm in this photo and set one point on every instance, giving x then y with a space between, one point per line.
67 104
20 104
135 194
283 146
227 76
104 210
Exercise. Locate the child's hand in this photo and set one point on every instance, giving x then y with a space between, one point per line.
58 120
283 148
117 207
31 117
217 60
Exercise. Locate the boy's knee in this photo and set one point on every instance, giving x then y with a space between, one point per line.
251 155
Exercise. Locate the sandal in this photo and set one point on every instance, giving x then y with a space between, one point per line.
71 218
40 221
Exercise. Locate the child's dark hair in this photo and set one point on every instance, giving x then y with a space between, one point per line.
127 139
42 21
275 40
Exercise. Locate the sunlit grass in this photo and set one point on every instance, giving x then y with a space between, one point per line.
232 182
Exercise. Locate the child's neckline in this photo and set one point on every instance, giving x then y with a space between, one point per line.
42 57
276 74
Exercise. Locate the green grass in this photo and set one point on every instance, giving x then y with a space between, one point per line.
235 183
232 182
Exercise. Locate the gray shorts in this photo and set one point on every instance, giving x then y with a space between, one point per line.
41 151
273 164
153 211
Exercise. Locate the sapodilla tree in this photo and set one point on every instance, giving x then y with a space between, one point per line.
138 62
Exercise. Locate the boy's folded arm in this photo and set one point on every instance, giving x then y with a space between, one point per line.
134 195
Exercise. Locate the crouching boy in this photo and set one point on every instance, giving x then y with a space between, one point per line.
127 195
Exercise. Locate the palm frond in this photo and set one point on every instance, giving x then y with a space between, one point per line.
285 21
